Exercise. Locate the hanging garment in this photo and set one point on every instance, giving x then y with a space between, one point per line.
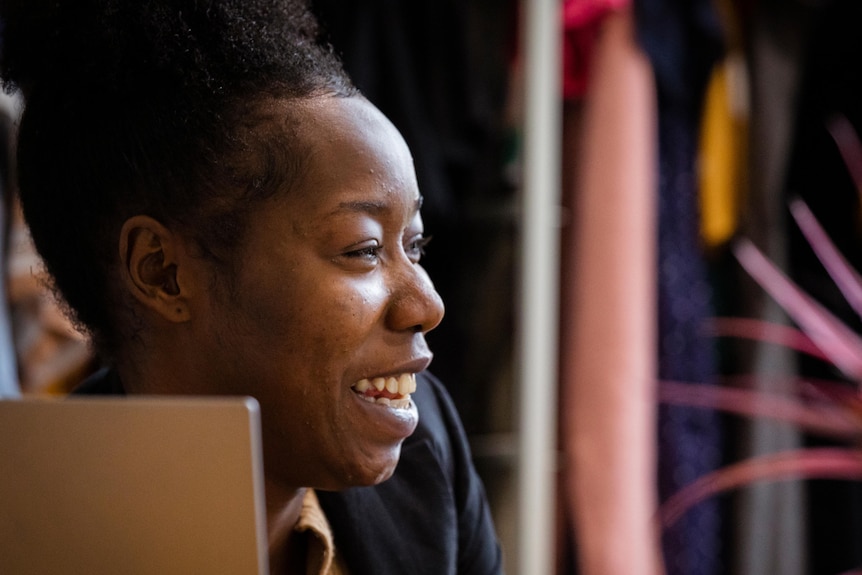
608 354
683 40
582 20
768 520
723 151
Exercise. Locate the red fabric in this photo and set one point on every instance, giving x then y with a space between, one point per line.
581 21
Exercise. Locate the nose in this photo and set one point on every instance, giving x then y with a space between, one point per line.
415 306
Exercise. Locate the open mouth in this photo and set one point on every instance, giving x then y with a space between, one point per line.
389 391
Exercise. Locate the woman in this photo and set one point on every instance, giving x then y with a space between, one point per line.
225 214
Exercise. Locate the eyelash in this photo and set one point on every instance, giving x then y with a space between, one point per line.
417 247
415 250
365 253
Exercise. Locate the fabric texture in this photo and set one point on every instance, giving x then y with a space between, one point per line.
431 517
322 557
607 311
684 41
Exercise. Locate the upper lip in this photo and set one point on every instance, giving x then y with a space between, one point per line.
412 366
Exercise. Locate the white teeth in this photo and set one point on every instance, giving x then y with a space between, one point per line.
392 385
403 385
362 385
406 383
402 403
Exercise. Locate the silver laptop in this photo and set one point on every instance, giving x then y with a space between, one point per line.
143 485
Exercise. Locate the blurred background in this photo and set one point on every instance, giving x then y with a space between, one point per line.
588 167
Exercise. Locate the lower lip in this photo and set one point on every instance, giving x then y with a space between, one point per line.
394 424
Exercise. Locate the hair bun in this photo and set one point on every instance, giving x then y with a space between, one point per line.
45 42
110 45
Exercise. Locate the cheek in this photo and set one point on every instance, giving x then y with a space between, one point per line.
359 302
345 323
335 321
363 306
318 312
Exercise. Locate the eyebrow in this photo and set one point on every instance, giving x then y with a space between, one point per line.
374 208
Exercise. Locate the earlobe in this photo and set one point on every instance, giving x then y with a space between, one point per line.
150 267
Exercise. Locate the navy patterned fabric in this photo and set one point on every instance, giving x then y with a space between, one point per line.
690 439
682 39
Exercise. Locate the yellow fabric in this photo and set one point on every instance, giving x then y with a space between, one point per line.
723 151
322 558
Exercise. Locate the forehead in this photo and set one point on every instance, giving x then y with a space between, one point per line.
352 152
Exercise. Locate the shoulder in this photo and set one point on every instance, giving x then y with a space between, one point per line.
104 381
438 418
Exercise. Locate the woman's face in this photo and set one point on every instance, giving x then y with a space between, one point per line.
329 300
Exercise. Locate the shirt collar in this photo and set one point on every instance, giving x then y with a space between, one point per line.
321 558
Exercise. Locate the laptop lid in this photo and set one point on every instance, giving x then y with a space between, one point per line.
134 485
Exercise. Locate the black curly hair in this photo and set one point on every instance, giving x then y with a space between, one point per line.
151 107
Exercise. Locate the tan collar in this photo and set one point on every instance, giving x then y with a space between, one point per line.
321 558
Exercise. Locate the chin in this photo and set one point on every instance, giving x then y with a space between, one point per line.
367 474
384 475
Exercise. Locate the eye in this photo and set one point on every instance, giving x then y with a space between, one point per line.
415 248
367 253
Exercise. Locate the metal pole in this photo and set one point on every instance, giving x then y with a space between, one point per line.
538 273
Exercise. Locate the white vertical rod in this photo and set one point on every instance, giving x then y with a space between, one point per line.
538 273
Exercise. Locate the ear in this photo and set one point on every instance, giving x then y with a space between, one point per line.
150 256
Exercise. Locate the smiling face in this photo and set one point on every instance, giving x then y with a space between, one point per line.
329 302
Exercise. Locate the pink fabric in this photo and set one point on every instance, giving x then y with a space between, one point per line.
608 367
581 22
